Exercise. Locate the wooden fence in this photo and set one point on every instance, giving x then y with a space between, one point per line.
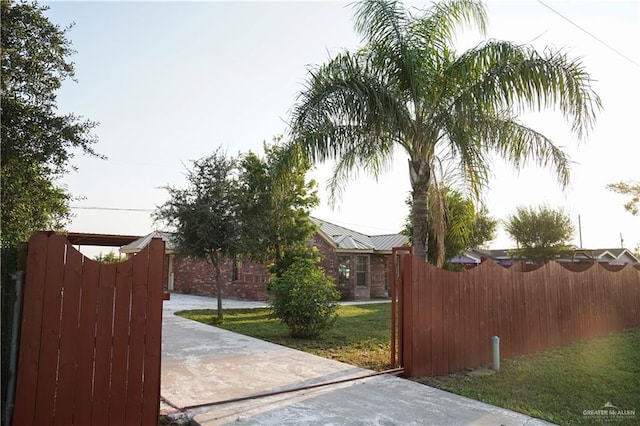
90 342
446 319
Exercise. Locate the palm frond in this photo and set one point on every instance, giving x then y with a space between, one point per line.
501 74
437 27
346 110
519 144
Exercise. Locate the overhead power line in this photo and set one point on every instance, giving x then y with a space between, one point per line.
112 209
589 33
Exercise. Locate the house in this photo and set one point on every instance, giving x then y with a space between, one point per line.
359 263
619 256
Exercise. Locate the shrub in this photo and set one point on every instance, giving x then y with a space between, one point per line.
304 298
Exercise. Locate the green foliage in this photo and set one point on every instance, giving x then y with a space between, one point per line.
632 189
204 216
274 206
37 142
111 257
304 298
465 226
407 89
541 234
293 253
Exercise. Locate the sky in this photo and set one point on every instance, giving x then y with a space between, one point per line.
169 82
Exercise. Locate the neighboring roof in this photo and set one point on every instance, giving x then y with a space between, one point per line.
347 239
615 254
142 242
621 255
110 240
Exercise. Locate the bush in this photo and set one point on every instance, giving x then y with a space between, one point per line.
304 298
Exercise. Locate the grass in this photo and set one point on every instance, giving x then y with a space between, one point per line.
555 385
559 384
361 335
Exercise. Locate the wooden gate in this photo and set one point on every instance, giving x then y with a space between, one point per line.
90 344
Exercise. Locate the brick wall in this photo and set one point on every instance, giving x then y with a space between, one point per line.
195 276
380 275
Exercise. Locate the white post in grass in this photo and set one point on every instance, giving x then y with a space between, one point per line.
496 353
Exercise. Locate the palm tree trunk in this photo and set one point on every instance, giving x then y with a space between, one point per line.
420 174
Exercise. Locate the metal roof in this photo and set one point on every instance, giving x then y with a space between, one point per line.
348 239
142 242
342 238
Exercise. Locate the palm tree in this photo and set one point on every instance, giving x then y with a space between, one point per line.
407 89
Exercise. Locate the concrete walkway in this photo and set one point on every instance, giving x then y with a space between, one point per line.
204 368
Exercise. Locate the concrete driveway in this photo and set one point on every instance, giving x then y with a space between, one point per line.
218 377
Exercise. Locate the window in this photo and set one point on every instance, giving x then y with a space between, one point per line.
344 270
361 270
235 268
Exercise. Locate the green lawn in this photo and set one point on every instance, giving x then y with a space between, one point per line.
361 335
555 385
559 384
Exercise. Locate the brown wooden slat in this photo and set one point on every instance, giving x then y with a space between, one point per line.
86 343
484 337
436 283
123 284
408 285
458 333
47 372
423 329
153 341
448 325
69 337
104 336
133 415
29 356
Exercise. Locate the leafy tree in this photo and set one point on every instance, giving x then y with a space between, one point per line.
110 257
465 225
304 298
407 89
632 189
275 207
37 142
204 216
541 233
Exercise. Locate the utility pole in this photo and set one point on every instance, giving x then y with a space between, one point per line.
580 230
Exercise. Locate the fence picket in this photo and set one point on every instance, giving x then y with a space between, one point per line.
69 338
118 401
153 338
29 357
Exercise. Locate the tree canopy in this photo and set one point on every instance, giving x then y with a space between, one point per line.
407 89
38 143
204 215
541 233
240 207
275 206
630 188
